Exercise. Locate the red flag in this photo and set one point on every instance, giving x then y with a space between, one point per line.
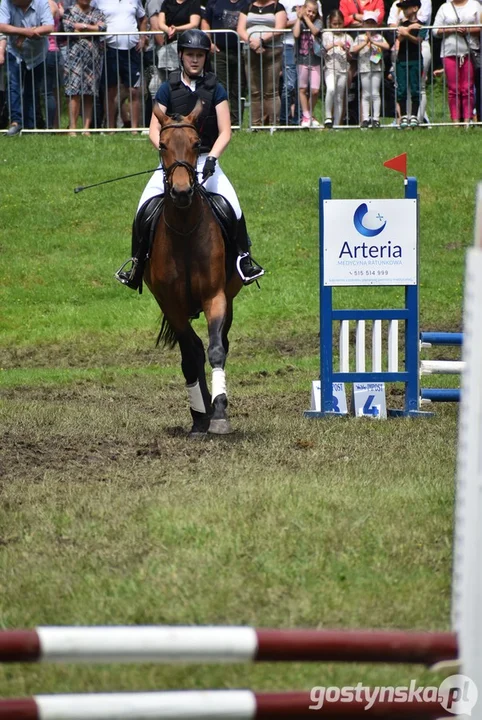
398 163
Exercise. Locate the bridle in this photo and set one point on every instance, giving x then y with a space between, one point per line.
193 181
191 169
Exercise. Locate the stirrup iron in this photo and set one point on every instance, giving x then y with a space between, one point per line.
258 270
126 276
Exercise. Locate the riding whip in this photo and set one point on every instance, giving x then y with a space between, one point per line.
124 177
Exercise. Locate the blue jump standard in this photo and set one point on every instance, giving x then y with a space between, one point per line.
409 314
442 338
440 394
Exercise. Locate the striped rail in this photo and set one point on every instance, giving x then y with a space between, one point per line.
210 704
216 644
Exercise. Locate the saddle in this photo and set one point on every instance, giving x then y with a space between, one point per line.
145 223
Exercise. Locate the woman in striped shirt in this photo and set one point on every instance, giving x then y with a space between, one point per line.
257 26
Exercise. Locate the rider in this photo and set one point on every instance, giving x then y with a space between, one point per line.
179 95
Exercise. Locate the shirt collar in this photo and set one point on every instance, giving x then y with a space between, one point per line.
188 82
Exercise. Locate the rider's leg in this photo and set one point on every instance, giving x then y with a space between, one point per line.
130 273
248 269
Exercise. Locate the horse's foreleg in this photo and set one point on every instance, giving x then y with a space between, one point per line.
192 361
215 312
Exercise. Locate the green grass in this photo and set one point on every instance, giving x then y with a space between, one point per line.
110 514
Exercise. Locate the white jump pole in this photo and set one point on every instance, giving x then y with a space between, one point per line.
441 367
467 581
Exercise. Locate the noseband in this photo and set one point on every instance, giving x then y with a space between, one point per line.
191 170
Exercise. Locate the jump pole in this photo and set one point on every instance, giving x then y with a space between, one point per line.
210 705
440 367
467 576
171 644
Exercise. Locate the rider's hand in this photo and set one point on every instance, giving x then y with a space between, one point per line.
209 167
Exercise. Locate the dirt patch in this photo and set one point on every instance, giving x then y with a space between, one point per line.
100 433
142 351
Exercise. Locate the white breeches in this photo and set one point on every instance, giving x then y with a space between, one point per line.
370 96
217 183
335 95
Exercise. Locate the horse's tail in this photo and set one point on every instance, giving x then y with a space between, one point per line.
167 335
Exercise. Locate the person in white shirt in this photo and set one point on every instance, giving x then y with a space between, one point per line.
460 48
424 16
337 46
123 56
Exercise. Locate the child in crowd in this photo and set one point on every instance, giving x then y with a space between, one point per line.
409 61
369 47
337 47
306 31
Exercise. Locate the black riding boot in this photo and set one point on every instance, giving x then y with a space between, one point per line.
248 269
147 215
131 272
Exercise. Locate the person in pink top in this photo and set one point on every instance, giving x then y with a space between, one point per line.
353 10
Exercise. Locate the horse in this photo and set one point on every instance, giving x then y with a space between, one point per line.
187 273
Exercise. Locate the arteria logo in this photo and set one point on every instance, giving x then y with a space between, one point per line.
374 252
368 224
457 694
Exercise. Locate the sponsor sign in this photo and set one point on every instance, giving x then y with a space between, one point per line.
370 242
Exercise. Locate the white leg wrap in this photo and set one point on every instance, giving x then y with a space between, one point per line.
219 382
196 401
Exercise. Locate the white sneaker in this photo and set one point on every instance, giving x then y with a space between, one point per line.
305 123
314 122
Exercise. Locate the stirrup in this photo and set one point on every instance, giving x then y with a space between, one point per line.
257 270
127 277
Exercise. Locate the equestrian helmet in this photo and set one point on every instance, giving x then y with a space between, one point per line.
194 39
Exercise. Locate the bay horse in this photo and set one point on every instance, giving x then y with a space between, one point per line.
186 273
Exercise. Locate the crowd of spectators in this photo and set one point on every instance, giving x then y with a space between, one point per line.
281 54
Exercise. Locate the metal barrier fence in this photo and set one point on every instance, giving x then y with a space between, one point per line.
86 84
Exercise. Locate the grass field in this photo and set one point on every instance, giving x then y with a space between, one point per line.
110 514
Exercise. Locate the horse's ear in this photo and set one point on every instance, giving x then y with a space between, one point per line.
193 116
162 117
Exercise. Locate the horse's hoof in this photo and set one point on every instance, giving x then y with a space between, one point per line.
220 427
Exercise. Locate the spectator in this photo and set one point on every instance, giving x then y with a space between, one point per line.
27 23
369 47
153 79
290 112
337 46
3 102
424 17
53 71
352 11
307 32
175 17
257 27
229 66
460 46
123 59
83 63
409 61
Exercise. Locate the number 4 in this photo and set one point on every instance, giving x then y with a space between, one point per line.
368 408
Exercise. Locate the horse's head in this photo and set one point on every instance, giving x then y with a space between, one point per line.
179 149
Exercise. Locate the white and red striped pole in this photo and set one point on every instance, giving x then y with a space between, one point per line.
209 704
168 644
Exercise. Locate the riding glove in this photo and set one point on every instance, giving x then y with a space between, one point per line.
209 167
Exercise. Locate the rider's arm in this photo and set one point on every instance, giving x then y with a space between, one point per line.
155 127
224 126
